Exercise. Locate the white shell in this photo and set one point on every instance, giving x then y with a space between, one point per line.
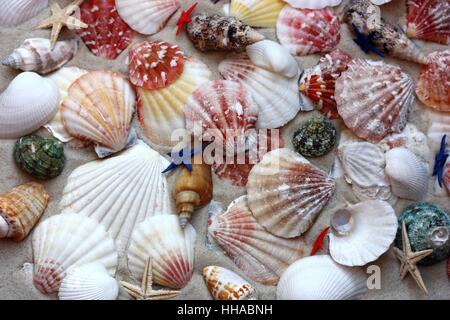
67 240
28 103
320 278
14 12
88 282
224 284
373 230
119 192
170 247
313 4
440 125
380 2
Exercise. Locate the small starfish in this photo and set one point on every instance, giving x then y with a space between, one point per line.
60 18
439 161
409 259
366 42
187 162
185 18
145 291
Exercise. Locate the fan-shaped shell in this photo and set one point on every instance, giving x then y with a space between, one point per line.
28 103
257 13
313 4
320 278
170 247
67 240
276 95
99 108
147 16
286 192
304 31
374 98
446 177
373 228
224 284
14 12
262 256
119 192
160 111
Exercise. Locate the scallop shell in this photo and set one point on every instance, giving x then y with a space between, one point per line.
304 31
320 278
276 95
373 228
99 109
286 192
20 210
224 284
257 13
28 103
119 192
170 247
447 176
88 282
14 12
428 20
67 240
262 256
374 98
313 4
147 16
36 55
440 125
434 80
380 2
160 111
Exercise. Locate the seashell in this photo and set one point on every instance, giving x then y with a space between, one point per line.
257 13
315 138
160 111
446 177
170 247
36 55
224 284
65 241
14 12
276 95
428 20
155 65
434 79
318 83
28 103
304 31
262 256
385 109
107 35
88 282
120 191
273 57
99 109
286 192
440 125
407 174
20 210
320 278
147 16
313 4
220 33
43 158
428 228
361 233
380 2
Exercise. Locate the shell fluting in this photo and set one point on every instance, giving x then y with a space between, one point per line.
447 176
14 12
257 13
313 4
224 284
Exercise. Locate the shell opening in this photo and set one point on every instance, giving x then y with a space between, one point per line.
342 222
4 228
439 236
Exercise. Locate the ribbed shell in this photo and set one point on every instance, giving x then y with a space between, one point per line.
67 240
14 12
224 284
170 247
257 13
447 176
440 125
313 4
374 98
262 256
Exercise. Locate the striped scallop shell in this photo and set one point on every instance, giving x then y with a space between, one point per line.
447 176
286 192
257 13
224 284
313 4
14 12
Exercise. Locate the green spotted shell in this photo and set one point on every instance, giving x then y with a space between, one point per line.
428 228
316 138
42 158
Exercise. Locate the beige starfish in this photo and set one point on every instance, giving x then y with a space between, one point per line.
146 292
60 18
409 259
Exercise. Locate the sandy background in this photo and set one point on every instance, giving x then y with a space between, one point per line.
15 258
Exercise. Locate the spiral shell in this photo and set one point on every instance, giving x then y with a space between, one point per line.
227 285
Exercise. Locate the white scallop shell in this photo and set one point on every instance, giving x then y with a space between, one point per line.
14 12
440 125
28 103
88 282
320 278
380 2
67 240
170 247
120 191
313 4
373 230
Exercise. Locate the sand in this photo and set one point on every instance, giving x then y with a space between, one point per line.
16 258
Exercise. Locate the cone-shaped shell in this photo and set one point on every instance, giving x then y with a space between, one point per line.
67 240
262 256
224 284
20 210
313 4
374 98
14 12
170 247
257 13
